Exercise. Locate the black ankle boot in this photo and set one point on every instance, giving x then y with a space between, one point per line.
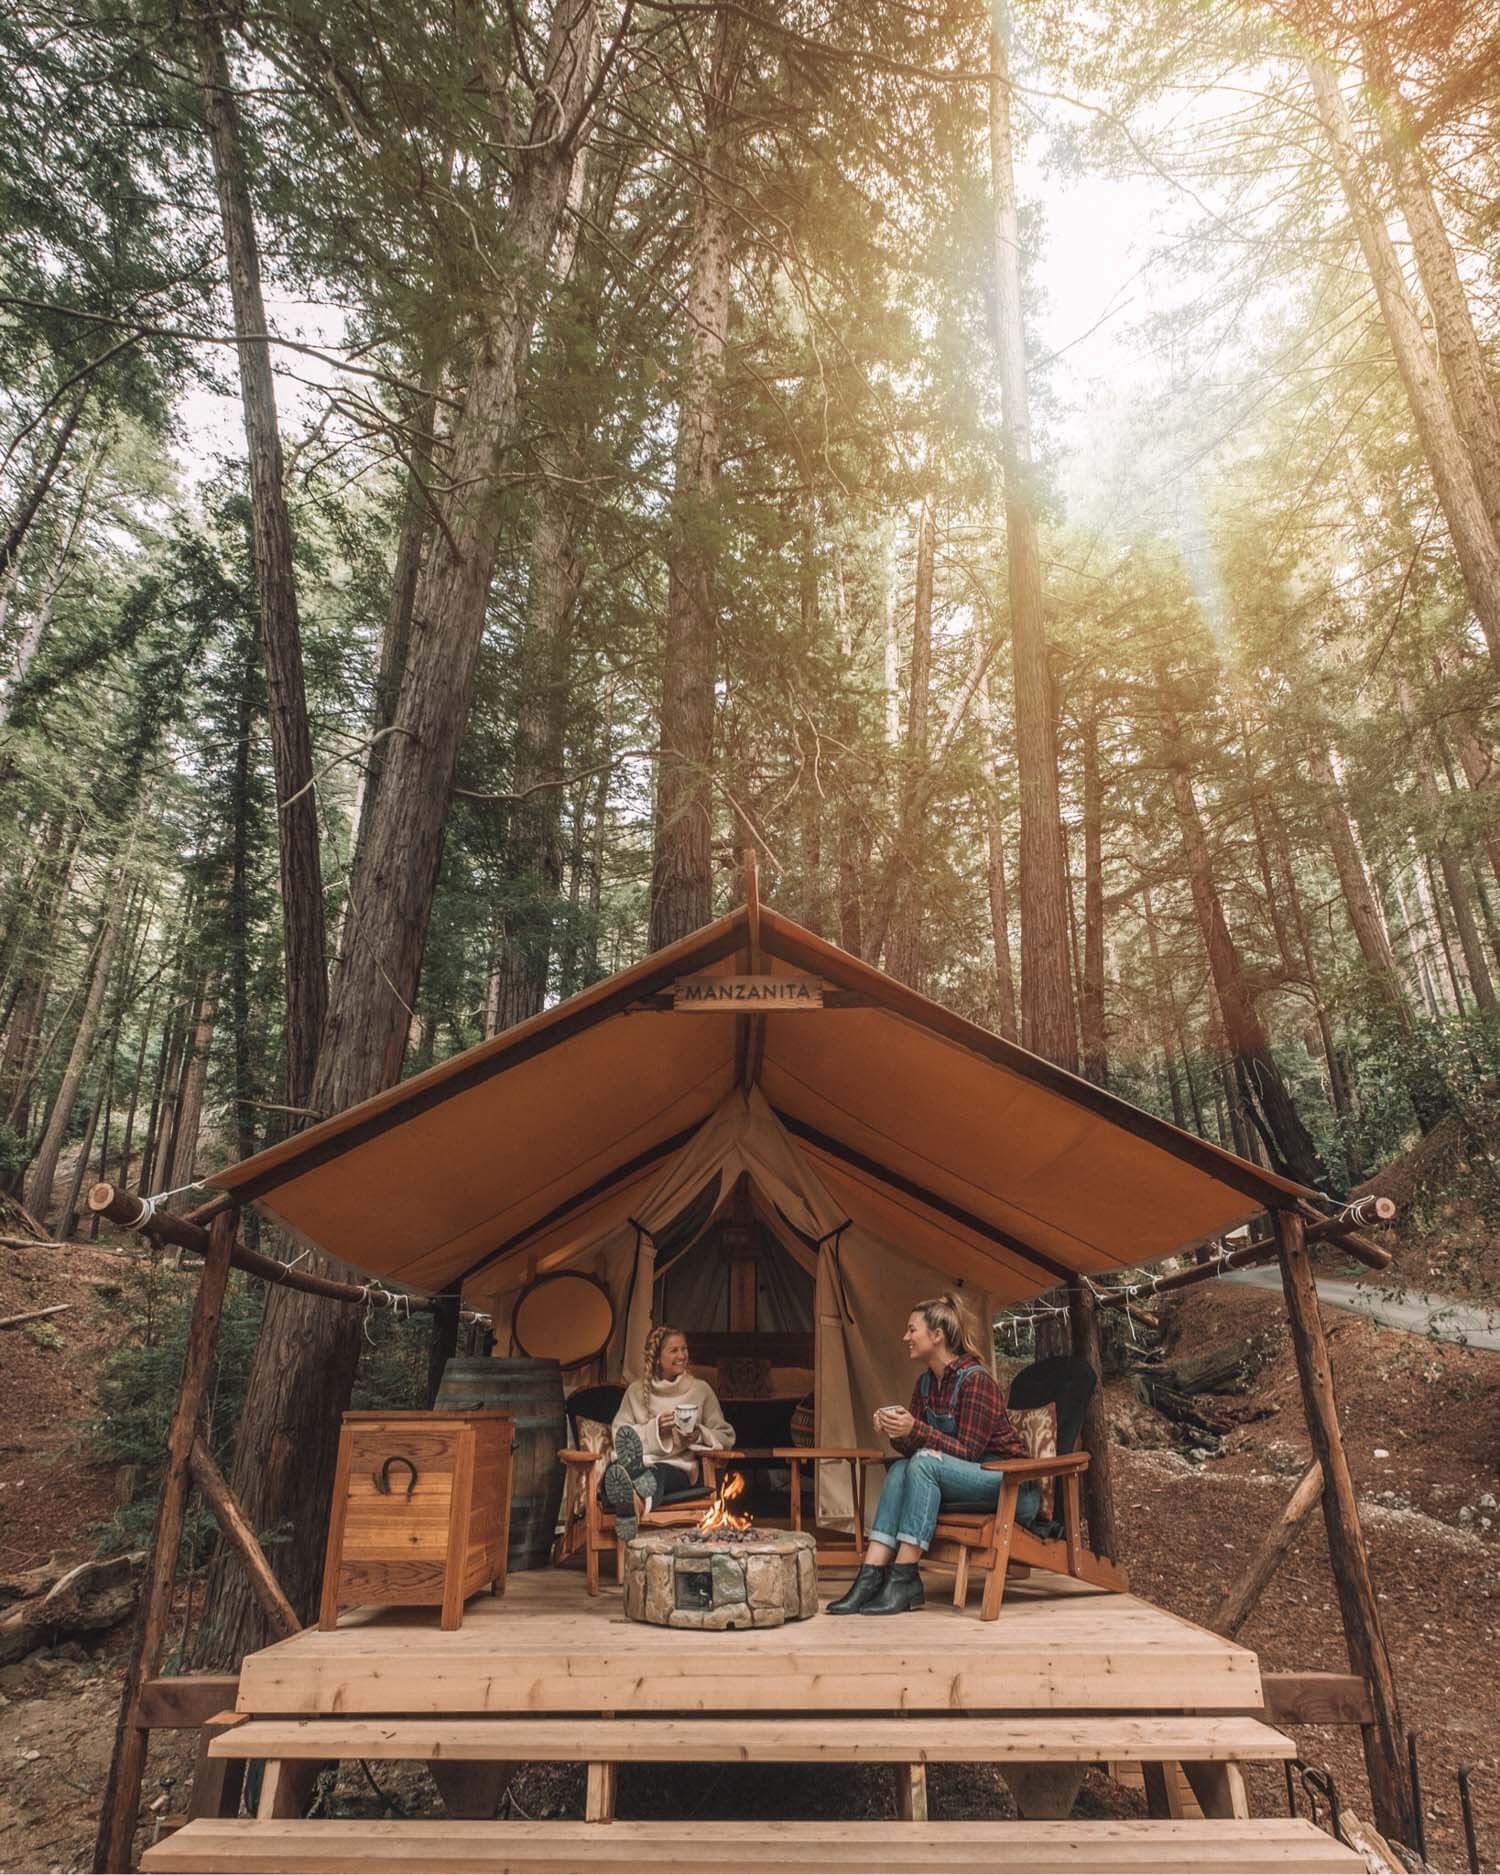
903 1590
864 1588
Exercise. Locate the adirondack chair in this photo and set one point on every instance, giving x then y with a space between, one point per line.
995 1540
587 1526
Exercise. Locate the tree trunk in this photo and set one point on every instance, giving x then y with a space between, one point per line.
1354 882
1048 1025
33 637
305 1357
395 639
850 846
681 861
14 536
191 1084
1091 988
1458 491
275 580
1260 1078
44 1165
1465 367
531 852
900 911
810 785
994 842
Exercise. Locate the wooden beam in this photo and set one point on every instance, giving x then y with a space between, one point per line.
184 1701
1239 1603
1317 1699
331 1139
237 1530
1385 1739
126 1209
945 1207
118 1813
795 946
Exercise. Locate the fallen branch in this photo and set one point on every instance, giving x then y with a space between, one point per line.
97 1594
35 1315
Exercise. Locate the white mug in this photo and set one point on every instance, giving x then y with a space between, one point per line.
685 1417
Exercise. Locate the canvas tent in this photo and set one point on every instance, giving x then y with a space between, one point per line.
895 1144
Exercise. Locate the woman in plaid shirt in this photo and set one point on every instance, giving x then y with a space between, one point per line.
957 1419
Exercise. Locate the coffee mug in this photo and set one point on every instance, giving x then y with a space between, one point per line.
684 1416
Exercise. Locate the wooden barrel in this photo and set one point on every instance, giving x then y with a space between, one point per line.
532 1393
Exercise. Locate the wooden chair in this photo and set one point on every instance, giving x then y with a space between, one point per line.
994 1539
587 1527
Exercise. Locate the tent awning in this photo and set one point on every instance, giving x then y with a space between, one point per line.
931 1130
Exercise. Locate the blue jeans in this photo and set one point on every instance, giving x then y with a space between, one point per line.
916 1488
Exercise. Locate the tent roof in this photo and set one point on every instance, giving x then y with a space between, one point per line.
932 1131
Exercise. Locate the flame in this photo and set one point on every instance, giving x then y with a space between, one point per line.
719 1516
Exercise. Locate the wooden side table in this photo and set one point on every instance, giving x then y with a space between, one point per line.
421 1511
856 1457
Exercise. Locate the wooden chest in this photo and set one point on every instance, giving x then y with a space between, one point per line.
421 1511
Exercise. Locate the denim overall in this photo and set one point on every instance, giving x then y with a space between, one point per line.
916 1488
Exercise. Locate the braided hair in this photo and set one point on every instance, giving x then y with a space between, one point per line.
655 1342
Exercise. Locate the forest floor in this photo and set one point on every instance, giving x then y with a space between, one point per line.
1422 1421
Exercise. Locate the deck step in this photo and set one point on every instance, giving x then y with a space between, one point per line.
1087 1739
1255 1846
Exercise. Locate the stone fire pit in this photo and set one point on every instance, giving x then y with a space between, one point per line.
721 1579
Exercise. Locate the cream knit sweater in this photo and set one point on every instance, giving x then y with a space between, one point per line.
646 1399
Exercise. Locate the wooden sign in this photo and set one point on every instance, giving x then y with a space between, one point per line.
747 995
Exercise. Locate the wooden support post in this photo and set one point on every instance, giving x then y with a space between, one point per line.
1098 1480
122 1792
1385 1740
599 1797
235 1528
911 1792
1239 1604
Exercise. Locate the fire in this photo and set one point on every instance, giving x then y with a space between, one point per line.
719 1516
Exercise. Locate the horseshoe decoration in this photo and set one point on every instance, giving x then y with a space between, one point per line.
382 1478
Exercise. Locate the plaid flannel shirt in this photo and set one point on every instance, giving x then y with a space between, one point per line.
984 1428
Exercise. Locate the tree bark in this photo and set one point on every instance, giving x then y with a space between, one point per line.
1465 368
1048 1024
1458 491
810 787
305 1357
681 861
275 580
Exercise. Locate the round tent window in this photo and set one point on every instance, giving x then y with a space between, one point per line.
567 1318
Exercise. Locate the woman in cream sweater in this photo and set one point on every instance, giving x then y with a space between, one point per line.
662 1418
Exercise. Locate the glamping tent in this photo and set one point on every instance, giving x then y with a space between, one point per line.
887 1146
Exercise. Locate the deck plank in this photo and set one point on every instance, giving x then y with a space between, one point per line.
547 1647
1242 1847
1082 1738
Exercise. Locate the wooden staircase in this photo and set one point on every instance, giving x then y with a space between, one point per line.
1208 1749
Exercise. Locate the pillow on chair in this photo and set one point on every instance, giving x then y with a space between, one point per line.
596 1437
1037 1426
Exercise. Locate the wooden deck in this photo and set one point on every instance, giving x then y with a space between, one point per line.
545 1646
1068 1676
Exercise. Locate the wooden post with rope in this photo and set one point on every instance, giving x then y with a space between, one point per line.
1385 1739
114 1845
